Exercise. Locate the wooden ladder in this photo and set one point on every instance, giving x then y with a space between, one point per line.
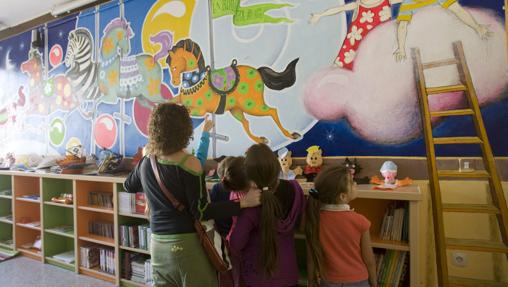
498 206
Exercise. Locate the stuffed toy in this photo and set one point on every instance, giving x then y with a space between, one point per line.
355 170
314 162
286 161
389 172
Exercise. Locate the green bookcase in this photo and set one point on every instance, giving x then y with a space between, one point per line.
55 216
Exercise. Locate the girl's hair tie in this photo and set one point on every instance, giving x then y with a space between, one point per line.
314 193
265 188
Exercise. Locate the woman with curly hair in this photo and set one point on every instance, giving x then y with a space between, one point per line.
178 259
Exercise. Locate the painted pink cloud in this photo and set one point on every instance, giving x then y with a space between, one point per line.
379 98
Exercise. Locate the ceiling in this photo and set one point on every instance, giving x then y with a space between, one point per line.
14 12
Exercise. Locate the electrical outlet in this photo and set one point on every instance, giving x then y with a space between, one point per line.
459 259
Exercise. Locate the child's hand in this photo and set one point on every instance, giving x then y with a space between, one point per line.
314 18
298 170
251 199
208 125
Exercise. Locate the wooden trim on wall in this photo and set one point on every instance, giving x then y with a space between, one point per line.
30 24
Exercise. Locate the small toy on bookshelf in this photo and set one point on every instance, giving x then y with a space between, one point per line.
64 198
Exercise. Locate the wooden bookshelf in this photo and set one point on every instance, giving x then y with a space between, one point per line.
61 264
97 273
97 209
136 215
29 226
129 283
56 232
98 239
3 220
6 196
137 250
31 253
37 201
58 204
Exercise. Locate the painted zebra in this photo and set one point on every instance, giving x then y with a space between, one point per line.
82 70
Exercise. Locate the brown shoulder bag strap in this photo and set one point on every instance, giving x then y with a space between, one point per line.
176 204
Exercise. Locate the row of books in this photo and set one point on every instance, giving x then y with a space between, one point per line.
96 255
131 202
101 228
395 224
102 199
392 268
137 268
135 236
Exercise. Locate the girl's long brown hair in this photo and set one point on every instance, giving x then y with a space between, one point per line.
329 183
263 169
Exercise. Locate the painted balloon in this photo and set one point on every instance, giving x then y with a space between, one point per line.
142 112
105 131
57 132
55 55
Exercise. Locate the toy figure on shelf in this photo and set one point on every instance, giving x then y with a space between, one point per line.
389 172
286 161
64 198
314 162
355 169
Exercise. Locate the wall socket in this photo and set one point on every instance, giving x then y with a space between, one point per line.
459 259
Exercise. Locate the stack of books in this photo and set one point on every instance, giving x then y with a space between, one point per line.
395 224
107 260
31 196
135 236
95 255
89 256
137 268
105 229
392 268
66 257
132 202
101 199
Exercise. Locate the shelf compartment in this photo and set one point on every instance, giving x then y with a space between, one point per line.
59 233
26 236
54 216
389 244
98 239
26 185
84 188
31 253
58 204
55 244
61 264
97 209
136 250
97 273
6 197
38 228
129 283
38 201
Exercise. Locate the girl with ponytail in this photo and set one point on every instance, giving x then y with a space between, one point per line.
338 240
263 238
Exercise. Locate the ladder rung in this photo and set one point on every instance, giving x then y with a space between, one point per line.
463 112
476 245
458 140
468 174
458 281
446 89
470 208
440 63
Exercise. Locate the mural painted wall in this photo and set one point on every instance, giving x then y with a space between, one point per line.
292 73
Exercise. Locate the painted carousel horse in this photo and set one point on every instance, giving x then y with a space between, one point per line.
123 76
237 88
46 95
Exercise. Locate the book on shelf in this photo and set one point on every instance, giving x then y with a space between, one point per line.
137 267
133 203
101 199
94 255
395 224
101 228
67 257
391 268
135 236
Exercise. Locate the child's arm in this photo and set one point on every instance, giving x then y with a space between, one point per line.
204 142
468 19
400 53
332 11
368 258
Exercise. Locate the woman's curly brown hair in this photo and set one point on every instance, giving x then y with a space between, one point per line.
169 129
